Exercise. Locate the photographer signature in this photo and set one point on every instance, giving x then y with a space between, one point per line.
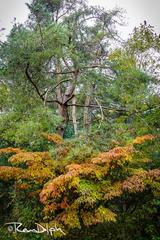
18 228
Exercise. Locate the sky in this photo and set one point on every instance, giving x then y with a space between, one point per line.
136 11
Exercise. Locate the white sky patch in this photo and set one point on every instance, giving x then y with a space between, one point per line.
136 12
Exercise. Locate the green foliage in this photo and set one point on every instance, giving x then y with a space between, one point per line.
120 186
25 130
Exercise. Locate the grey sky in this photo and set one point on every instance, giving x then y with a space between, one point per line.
136 12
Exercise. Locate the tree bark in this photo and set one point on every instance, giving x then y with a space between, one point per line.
87 114
74 117
63 99
87 109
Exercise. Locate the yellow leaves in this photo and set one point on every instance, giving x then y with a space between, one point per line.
10 173
10 150
142 139
83 182
103 214
55 189
39 165
74 183
29 157
113 191
100 215
70 218
76 194
88 218
86 169
137 171
55 138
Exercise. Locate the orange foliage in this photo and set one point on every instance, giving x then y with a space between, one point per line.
134 184
117 153
10 173
83 184
64 203
22 186
142 139
58 185
55 138
29 157
40 167
56 195
114 191
50 208
138 183
10 150
153 174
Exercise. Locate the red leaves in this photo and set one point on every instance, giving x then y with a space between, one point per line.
134 184
64 203
138 183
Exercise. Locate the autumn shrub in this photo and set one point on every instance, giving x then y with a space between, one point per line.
114 194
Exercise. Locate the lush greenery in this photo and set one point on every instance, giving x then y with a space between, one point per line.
79 125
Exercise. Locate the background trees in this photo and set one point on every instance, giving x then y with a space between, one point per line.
74 98
62 59
55 56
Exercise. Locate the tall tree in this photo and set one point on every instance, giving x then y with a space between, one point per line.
63 43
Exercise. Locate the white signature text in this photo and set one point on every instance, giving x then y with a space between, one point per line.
18 228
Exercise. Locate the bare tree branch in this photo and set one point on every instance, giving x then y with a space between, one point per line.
64 13
102 115
80 69
50 89
32 82
97 106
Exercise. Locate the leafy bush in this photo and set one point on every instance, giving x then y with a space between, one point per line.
109 190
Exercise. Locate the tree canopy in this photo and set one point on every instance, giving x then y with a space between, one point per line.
79 124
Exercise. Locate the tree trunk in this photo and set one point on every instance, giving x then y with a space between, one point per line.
87 114
63 112
87 109
74 117
63 98
62 108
